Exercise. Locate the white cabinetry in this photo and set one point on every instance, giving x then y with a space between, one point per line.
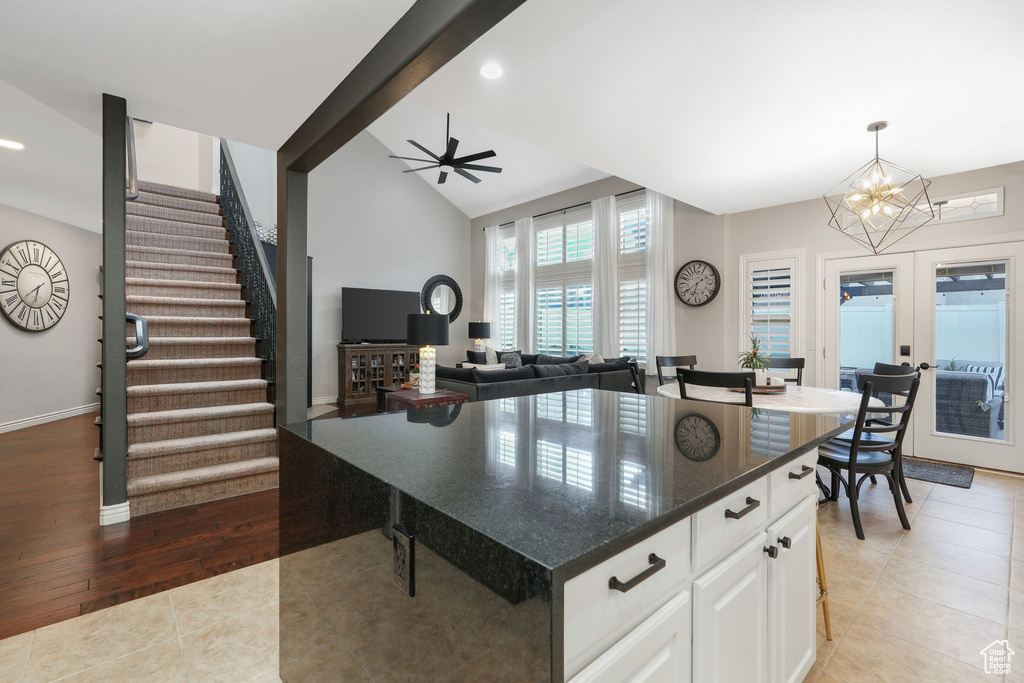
792 593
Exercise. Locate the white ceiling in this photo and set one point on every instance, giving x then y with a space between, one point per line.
246 70
528 171
736 105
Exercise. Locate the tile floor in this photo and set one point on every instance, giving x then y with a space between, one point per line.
906 606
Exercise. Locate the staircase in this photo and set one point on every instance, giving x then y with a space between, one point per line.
199 424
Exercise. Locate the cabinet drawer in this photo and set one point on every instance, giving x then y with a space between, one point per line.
723 525
787 488
597 616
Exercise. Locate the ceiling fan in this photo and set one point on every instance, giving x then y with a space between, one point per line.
448 161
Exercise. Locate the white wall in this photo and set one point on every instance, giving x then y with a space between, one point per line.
372 226
54 370
257 171
175 156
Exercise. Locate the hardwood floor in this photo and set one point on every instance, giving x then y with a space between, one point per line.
56 562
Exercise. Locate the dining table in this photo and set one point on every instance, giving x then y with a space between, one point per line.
794 399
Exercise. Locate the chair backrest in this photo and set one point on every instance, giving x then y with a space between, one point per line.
724 380
790 364
870 385
673 362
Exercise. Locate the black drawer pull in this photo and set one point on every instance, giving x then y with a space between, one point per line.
772 551
751 504
804 471
786 542
657 564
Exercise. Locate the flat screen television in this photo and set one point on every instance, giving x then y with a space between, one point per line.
376 315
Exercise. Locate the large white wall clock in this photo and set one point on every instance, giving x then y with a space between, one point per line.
34 287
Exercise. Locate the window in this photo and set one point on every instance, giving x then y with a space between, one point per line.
507 448
769 434
770 306
572 466
507 278
633 483
632 276
632 414
507 319
564 294
633 318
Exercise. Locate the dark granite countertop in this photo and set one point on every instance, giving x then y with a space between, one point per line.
568 479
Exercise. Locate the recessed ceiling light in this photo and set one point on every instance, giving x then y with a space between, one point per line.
491 71
11 144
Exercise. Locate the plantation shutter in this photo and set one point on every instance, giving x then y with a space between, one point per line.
771 305
769 434
579 320
548 313
633 318
507 319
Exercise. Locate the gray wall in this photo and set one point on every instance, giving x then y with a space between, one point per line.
370 225
698 235
55 370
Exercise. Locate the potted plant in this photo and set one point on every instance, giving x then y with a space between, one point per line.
756 361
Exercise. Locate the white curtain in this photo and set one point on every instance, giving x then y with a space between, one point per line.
606 295
661 310
492 282
525 262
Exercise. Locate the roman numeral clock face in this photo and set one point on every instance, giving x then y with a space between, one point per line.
697 283
34 287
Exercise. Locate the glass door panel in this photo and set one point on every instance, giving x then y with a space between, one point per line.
866 316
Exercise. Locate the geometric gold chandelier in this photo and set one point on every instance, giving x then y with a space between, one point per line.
880 203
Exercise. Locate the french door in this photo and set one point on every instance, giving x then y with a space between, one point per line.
955 313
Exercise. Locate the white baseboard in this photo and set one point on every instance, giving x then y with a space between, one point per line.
321 400
48 417
112 514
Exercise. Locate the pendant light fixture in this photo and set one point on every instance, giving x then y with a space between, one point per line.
880 203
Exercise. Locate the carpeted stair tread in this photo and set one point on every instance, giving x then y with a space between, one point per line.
138 238
172 348
142 363
160 226
156 282
169 255
196 341
176 215
200 328
201 475
170 202
173 191
155 449
177 272
195 307
196 387
139 286
197 414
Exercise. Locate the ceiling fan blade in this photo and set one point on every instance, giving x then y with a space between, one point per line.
443 177
424 150
467 176
476 157
425 161
475 167
422 168
453 144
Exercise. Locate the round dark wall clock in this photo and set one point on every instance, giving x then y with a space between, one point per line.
697 437
34 287
697 283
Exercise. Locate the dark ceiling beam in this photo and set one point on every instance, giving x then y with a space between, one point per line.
426 38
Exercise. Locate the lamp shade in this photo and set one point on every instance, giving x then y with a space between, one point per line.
425 329
479 330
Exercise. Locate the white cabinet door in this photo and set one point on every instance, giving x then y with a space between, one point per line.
730 618
656 651
792 593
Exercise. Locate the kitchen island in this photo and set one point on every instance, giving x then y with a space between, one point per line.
586 536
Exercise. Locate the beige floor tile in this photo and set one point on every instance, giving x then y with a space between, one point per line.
289 586
966 561
852 557
928 624
236 649
1017 575
162 663
1016 674
995 484
846 593
493 665
973 499
882 528
303 629
197 605
330 562
993 521
869 655
1017 611
813 675
826 677
973 596
963 535
77 644
331 663
14 656
359 601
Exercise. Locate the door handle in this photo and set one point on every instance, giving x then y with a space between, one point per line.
751 504
924 366
657 564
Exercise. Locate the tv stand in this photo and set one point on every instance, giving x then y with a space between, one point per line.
363 368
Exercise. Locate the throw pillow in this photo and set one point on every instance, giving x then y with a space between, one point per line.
492 355
478 357
511 360
485 368
528 358
994 372
543 359
460 374
502 375
561 369
593 358
609 366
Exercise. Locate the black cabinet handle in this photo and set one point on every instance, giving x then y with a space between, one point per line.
772 551
751 504
924 365
804 471
657 564
786 542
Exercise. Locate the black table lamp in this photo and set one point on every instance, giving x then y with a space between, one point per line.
480 332
425 330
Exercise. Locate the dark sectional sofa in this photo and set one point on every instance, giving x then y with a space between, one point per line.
539 374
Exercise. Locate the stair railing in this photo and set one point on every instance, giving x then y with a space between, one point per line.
253 268
132 184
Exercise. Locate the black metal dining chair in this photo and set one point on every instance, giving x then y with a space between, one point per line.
790 364
668 362
876 446
724 380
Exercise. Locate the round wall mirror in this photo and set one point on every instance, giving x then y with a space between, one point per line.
441 296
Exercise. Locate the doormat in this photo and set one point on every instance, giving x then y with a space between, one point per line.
938 472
